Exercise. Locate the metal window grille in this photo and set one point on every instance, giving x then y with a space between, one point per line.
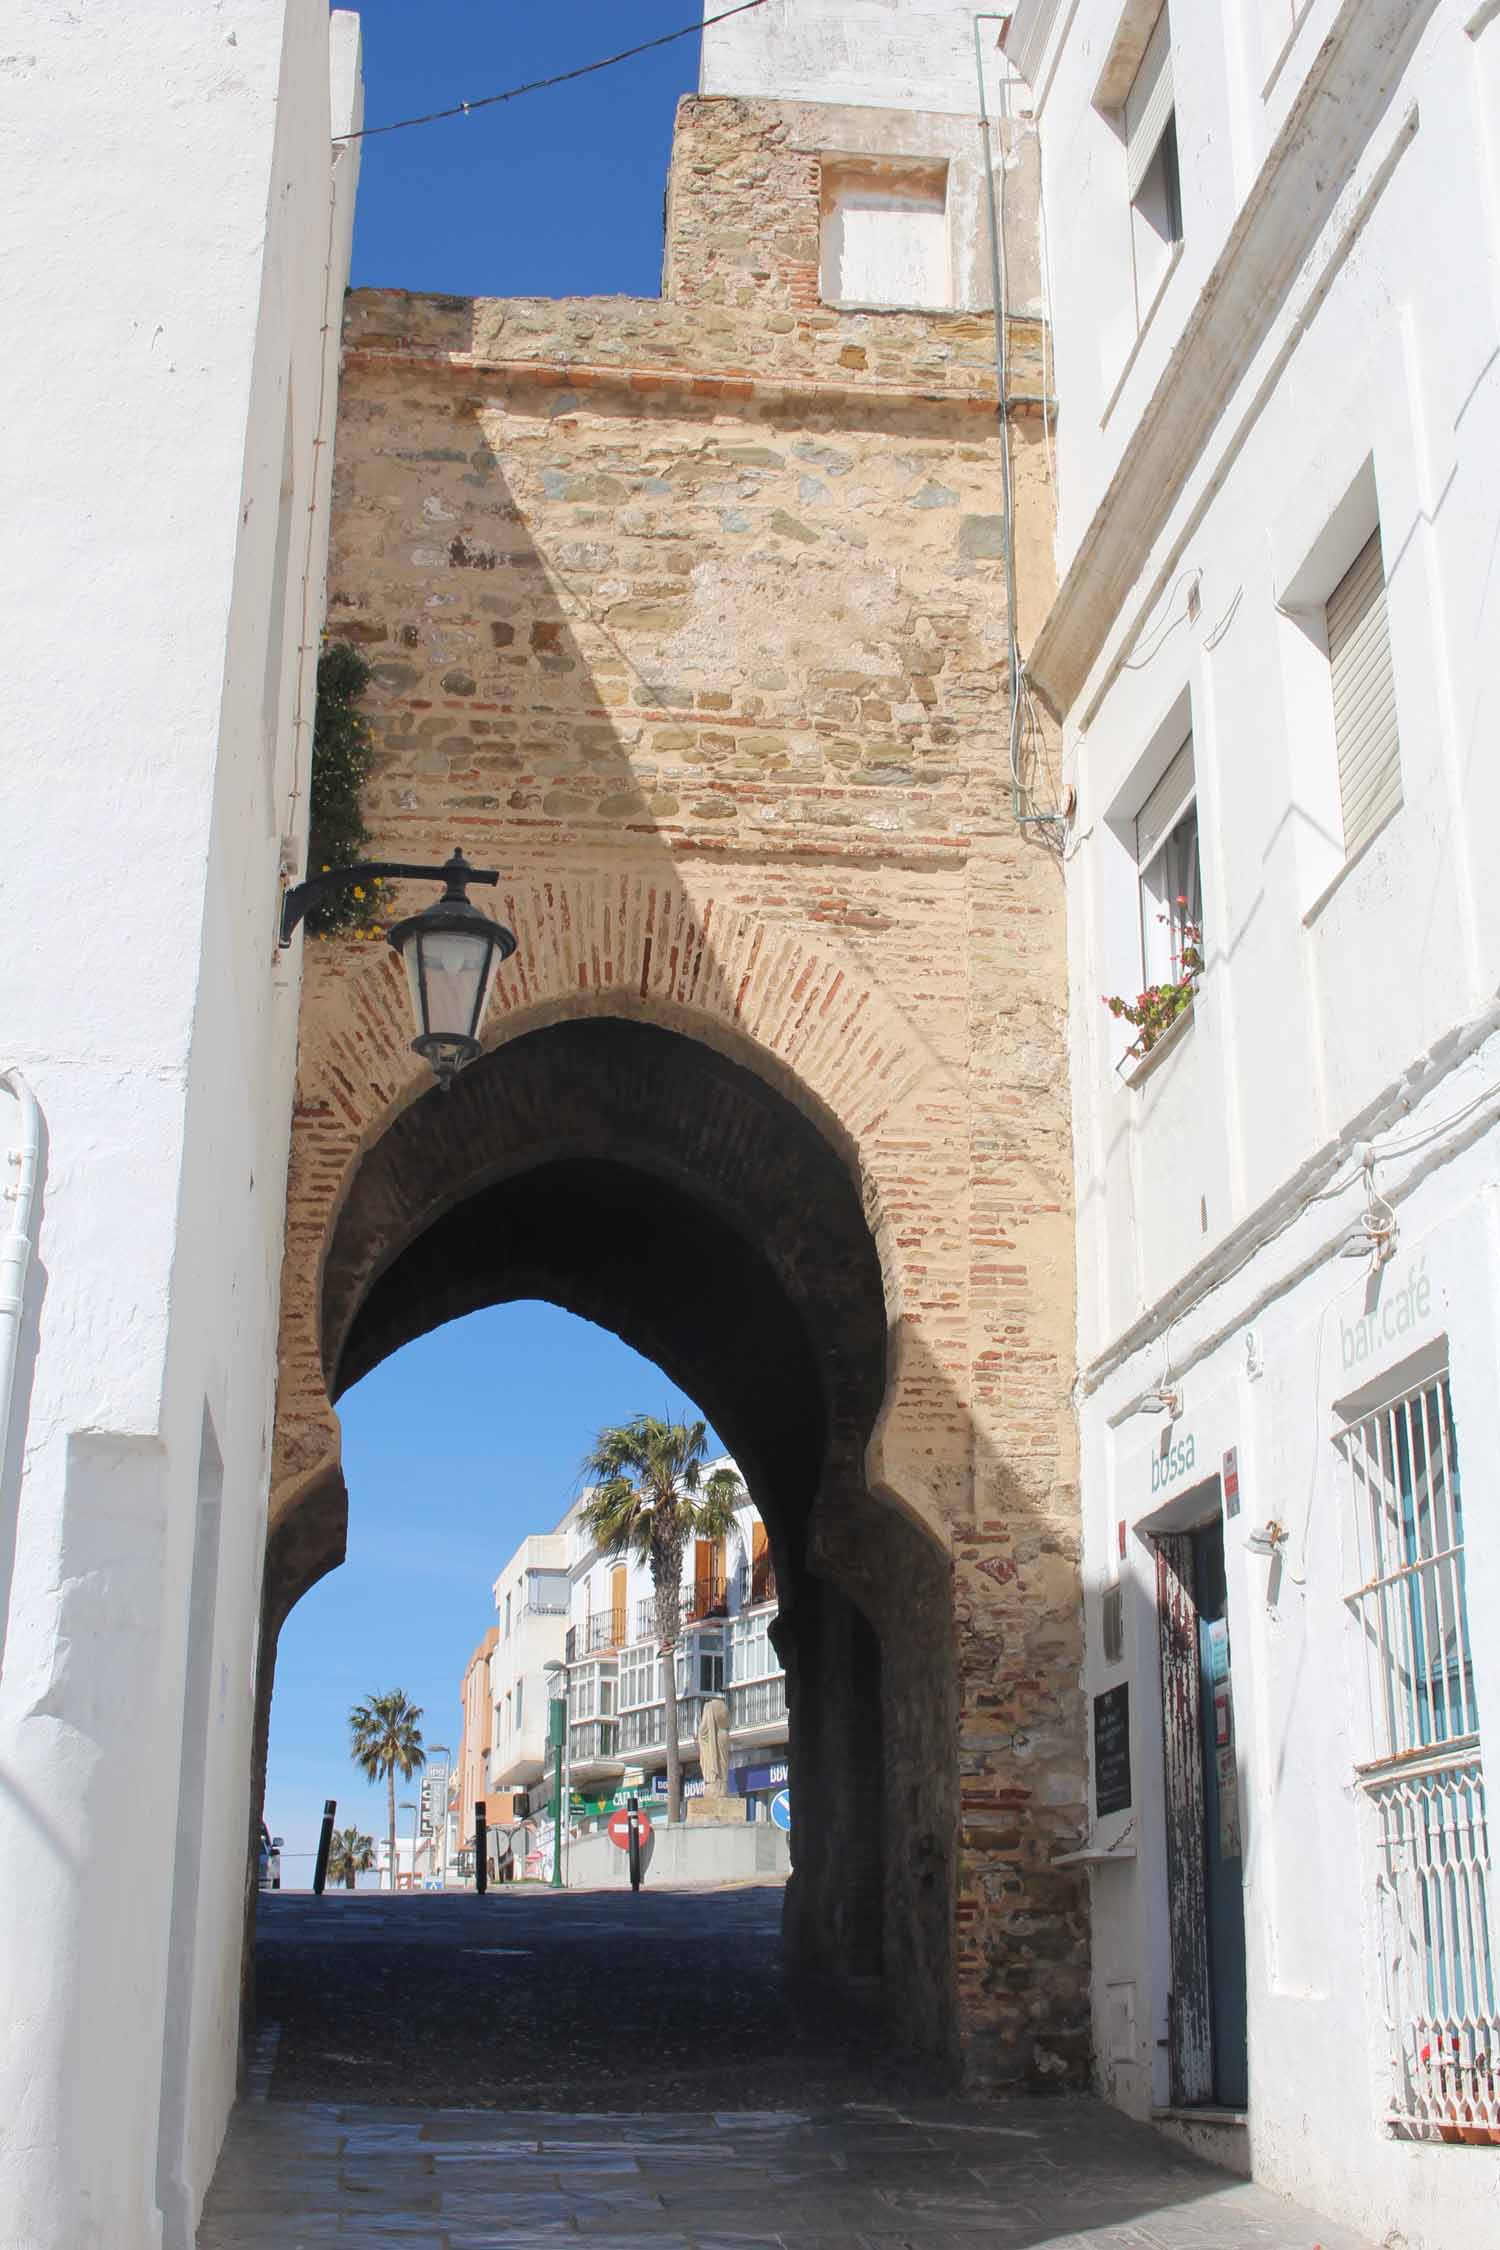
1425 1782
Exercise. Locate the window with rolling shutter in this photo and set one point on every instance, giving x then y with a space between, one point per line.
1153 174
1148 105
1364 697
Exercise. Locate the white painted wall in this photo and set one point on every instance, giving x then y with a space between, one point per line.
1341 1002
529 1641
175 247
879 54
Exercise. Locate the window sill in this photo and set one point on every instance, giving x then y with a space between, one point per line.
1095 1855
1347 867
1142 331
1134 1069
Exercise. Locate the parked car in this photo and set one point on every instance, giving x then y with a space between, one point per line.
270 1860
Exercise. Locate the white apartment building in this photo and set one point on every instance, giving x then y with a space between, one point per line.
1273 236
176 242
532 1595
605 1642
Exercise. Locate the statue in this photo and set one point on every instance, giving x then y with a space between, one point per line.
715 1804
713 1746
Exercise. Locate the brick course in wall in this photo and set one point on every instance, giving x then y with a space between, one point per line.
690 616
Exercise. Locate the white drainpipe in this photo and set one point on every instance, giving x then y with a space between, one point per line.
15 1242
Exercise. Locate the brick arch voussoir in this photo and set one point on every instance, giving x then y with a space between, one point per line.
801 1013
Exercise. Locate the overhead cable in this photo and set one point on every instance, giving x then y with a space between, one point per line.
560 78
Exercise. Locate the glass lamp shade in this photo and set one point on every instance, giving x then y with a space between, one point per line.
450 955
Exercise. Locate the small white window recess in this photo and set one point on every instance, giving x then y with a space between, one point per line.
1135 91
884 235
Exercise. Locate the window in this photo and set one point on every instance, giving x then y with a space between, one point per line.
752 1653
520 1691
1424 1782
1152 170
639 1682
884 235
760 1704
507 1617
1171 886
1364 697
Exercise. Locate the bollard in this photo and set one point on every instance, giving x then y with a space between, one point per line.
634 1812
325 1845
481 1848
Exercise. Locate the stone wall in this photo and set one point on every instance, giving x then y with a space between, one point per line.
690 617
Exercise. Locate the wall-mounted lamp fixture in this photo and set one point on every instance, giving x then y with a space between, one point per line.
1163 1401
450 952
1267 1538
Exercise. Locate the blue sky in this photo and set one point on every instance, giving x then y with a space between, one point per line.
471 1438
454 1449
558 194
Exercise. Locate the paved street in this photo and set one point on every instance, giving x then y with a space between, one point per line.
856 2153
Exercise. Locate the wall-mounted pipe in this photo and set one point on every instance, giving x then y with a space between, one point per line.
19 1200
999 296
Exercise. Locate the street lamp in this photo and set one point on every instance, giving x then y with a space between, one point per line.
408 1804
450 952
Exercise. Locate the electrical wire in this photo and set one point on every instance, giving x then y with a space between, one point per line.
559 78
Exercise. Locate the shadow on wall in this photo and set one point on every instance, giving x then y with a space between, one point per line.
715 675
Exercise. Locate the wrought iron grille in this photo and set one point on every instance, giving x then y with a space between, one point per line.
1425 1782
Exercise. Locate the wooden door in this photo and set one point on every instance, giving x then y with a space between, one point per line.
619 1579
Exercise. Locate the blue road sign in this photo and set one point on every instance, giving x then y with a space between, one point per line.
781 1808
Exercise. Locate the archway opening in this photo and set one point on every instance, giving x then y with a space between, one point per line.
658 1187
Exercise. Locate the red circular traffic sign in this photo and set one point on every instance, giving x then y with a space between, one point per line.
619 1828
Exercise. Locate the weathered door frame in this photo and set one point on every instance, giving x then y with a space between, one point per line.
1190 2041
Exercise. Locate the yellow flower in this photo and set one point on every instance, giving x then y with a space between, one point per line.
359 890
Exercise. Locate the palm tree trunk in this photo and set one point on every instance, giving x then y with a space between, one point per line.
666 1578
349 1876
674 1755
390 1783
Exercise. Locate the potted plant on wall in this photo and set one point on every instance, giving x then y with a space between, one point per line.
1152 1013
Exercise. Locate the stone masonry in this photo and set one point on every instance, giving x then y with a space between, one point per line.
690 617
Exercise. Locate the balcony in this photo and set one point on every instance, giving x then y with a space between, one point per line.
605 1631
593 1741
755 1583
709 1597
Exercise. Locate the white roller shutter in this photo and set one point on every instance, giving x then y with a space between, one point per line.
1364 697
1148 105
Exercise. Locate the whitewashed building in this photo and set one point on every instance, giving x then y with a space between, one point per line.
570 1614
1273 235
176 234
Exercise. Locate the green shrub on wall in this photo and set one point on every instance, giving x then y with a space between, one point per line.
341 758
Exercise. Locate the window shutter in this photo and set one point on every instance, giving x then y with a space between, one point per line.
1364 697
1148 105
1165 805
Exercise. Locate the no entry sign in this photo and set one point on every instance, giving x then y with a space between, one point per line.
619 1828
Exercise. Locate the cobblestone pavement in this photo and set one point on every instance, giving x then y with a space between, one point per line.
652 2080
1057 2175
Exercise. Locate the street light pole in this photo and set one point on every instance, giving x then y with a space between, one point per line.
408 1805
557 1730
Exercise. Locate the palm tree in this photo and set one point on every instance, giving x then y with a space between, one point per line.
650 1493
350 1854
384 1740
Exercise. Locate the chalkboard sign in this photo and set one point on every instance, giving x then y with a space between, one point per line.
1112 1750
